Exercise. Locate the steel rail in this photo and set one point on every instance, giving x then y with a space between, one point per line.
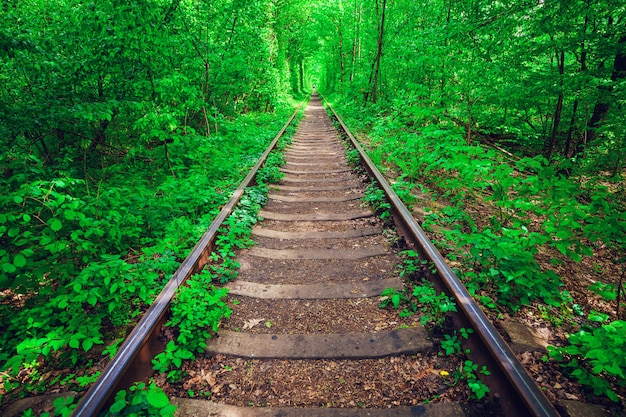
523 385
139 347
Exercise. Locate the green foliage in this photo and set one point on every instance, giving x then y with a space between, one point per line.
199 306
505 263
434 306
73 247
393 297
595 356
196 312
606 291
411 265
141 400
375 198
63 407
404 191
469 372
483 113
501 257
354 157
451 344
117 155
60 331
270 172
235 234
424 298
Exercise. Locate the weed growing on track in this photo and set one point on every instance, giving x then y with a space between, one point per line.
434 308
375 198
270 172
394 297
141 400
353 157
197 311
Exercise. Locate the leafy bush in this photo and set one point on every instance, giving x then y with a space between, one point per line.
375 198
86 257
505 263
434 306
196 312
499 257
141 400
595 357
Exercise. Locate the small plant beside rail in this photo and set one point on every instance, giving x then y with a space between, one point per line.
199 306
375 198
434 308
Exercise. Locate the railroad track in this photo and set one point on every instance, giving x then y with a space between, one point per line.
306 330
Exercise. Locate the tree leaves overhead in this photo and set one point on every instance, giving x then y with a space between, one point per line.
80 78
544 77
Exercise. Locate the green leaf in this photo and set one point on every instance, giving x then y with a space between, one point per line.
157 398
395 299
55 224
118 406
92 300
19 260
87 344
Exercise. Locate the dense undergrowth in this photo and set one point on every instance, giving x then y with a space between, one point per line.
199 306
532 206
82 258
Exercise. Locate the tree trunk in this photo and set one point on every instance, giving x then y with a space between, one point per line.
559 107
601 108
356 39
372 93
583 70
342 61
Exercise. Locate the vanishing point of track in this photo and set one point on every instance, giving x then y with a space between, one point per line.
317 243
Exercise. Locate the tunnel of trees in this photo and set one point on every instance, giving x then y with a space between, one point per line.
124 125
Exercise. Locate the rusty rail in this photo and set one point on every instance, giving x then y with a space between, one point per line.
520 385
133 360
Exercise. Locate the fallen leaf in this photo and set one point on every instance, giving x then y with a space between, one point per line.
251 323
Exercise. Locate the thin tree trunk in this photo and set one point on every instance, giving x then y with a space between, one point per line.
602 106
559 107
342 62
583 70
356 40
468 138
375 74
570 132
167 158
